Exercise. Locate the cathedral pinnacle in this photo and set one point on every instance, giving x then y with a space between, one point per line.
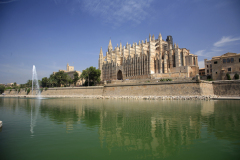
153 38
160 36
101 52
110 46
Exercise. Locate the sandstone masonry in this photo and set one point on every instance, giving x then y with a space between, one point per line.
147 60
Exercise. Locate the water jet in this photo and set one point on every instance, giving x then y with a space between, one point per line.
35 85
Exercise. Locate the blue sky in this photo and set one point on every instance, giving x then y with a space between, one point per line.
51 33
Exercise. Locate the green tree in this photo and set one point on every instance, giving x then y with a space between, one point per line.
44 82
236 76
29 83
61 78
52 82
28 90
22 85
228 76
91 75
2 88
40 83
76 78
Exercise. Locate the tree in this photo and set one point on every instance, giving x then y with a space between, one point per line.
91 75
76 78
52 82
236 76
44 82
61 78
29 83
228 76
39 83
22 85
2 88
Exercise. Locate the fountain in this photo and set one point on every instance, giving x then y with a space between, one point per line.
35 85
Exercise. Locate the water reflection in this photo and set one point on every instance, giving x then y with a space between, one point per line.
154 128
35 105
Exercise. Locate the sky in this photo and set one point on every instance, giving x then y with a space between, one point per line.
51 33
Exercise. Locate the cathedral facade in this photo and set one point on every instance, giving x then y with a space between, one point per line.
151 59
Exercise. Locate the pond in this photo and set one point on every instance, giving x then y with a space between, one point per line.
72 128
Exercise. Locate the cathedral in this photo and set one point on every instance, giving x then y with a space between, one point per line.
153 59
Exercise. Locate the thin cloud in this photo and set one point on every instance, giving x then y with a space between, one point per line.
200 52
111 12
225 40
218 47
119 11
7 1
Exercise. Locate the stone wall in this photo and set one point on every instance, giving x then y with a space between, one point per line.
158 89
226 88
219 88
96 90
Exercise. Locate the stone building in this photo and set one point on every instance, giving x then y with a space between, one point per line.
208 67
226 63
70 72
151 59
202 72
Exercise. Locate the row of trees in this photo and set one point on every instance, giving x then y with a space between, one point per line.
91 76
59 79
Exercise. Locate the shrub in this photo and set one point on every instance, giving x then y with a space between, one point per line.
228 76
18 90
2 88
209 77
28 90
25 89
10 90
41 89
46 88
167 79
236 76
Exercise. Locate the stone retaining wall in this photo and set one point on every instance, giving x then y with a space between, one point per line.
226 88
219 88
96 90
158 89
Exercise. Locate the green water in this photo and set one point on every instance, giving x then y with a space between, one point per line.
118 129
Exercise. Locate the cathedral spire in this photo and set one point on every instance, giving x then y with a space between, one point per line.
153 38
110 46
101 52
160 37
